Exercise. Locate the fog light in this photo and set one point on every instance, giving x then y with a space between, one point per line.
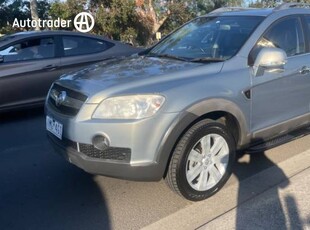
101 142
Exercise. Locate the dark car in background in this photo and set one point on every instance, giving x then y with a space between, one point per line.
31 61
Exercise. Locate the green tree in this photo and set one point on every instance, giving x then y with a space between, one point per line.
180 13
151 16
3 13
202 7
273 3
9 10
115 19
137 21
165 16
265 3
19 9
67 10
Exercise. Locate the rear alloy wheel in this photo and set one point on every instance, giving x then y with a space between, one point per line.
202 161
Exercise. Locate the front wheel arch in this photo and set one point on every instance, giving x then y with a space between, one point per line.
186 121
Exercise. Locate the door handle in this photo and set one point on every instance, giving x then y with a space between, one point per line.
50 67
304 70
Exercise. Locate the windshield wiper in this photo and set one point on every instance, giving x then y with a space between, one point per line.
207 59
167 56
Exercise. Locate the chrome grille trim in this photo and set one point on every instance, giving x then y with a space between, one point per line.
71 103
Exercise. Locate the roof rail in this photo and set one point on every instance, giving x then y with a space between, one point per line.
228 9
290 5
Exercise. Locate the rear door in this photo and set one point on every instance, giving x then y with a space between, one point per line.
27 70
280 98
79 51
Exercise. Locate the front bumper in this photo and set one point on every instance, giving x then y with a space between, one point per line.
148 172
135 145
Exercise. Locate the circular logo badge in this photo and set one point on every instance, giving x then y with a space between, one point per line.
61 98
84 22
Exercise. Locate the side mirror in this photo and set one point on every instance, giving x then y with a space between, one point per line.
271 60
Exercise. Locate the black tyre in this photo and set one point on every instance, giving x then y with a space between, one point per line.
202 161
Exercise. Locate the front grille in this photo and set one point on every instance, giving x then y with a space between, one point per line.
111 153
72 102
71 93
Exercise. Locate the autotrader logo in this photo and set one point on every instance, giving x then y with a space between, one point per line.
84 22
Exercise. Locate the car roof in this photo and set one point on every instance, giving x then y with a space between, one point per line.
285 8
243 12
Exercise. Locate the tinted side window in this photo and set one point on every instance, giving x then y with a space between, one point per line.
39 48
308 22
286 34
75 45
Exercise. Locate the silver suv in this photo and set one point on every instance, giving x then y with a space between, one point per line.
181 109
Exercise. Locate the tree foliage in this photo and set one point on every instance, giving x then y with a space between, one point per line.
137 21
133 21
116 19
20 9
67 10
273 3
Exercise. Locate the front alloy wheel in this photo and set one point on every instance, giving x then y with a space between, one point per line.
202 161
207 162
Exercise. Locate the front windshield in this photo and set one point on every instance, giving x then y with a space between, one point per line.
208 38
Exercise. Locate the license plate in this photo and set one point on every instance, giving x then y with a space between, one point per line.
54 127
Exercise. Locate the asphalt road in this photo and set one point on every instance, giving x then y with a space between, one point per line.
39 190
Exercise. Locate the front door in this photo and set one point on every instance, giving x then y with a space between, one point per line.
281 99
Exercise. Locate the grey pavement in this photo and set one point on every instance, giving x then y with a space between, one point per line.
284 206
276 198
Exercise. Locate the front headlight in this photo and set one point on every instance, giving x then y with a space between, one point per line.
129 107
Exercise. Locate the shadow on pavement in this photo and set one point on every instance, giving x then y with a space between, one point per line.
39 190
294 219
269 213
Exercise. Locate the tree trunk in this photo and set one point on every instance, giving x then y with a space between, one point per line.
34 12
148 19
